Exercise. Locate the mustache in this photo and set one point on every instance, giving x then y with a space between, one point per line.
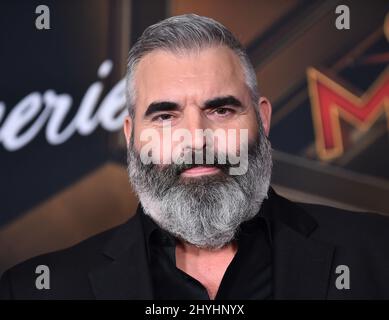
198 158
220 161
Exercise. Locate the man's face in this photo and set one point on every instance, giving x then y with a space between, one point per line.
190 92
202 203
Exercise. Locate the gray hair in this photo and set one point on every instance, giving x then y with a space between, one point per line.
182 33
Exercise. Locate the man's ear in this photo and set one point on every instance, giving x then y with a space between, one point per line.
127 128
264 106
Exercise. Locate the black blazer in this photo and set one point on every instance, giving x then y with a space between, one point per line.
309 242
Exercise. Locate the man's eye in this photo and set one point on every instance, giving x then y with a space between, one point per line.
223 111
162 117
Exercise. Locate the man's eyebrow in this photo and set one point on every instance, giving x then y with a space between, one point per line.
222 101
161 106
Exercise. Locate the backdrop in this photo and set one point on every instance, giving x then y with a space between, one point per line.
62 153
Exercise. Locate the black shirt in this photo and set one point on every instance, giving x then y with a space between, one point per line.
248 276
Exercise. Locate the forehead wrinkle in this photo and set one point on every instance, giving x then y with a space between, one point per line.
192 72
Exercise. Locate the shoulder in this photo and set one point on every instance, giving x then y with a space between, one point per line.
82 251
337 224
67 266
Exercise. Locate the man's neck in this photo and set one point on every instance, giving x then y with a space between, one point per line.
205 265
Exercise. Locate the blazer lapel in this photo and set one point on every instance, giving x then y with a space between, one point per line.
302 265
126 273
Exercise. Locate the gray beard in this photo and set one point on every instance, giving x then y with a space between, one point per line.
205 211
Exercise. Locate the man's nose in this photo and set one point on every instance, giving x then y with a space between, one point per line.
195 123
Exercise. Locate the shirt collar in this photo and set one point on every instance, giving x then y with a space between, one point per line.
154 233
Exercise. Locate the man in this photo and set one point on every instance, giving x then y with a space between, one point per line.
209 226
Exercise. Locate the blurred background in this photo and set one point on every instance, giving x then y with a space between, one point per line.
62 153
